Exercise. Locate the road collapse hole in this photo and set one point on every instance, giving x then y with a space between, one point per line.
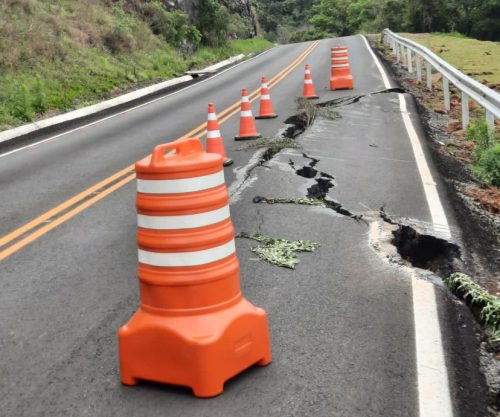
425 251
320 189
307 172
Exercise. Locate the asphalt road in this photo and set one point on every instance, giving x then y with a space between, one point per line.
342 324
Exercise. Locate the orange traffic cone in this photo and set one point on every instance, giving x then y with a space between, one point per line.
193 327
215 144
309 92
341 77
266 105
247 124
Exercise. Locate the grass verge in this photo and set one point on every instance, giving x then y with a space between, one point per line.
89 75
476 58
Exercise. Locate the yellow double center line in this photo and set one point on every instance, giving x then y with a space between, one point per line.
65 211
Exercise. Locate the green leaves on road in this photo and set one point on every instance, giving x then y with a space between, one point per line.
280 252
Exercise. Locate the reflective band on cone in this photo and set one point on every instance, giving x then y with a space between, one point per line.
188 185
178 259
187 221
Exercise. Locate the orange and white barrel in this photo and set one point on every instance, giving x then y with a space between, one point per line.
341 77
189 277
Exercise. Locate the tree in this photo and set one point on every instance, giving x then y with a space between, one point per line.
486 21
431 15
332 16
212 20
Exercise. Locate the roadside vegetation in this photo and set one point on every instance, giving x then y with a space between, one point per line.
302 20
478 59
56 56
486 154
486 305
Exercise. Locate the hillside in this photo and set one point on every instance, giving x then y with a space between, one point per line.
60 55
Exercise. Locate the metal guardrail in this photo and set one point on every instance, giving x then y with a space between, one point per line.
406 51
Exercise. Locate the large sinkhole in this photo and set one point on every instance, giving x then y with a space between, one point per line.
425 251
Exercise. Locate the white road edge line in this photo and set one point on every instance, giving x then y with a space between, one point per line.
32 145
433 384
385 78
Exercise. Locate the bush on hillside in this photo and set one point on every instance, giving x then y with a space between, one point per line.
212 20
487 167
486 164
172 26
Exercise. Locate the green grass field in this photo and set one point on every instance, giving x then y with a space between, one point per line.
479 59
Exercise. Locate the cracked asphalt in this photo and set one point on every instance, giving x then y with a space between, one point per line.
341 324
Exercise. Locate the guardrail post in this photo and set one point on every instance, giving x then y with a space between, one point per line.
490 119
398 52
465 110
410 63
446 92
428 74
419 67
403 56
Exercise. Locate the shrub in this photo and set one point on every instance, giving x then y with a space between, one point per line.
481 134
21 104
487 167
172 26
39 96
212 20
486 164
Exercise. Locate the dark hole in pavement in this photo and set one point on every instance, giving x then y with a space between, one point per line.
326 175
320 189
425 251
314 161
333 205
268 155
307 172
297 125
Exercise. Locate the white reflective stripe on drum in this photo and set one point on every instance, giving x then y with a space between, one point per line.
183 185
265 97
246 113
188 221
174 259
340 51
339 65
212 116
340 59
244 99
308 81
213 134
